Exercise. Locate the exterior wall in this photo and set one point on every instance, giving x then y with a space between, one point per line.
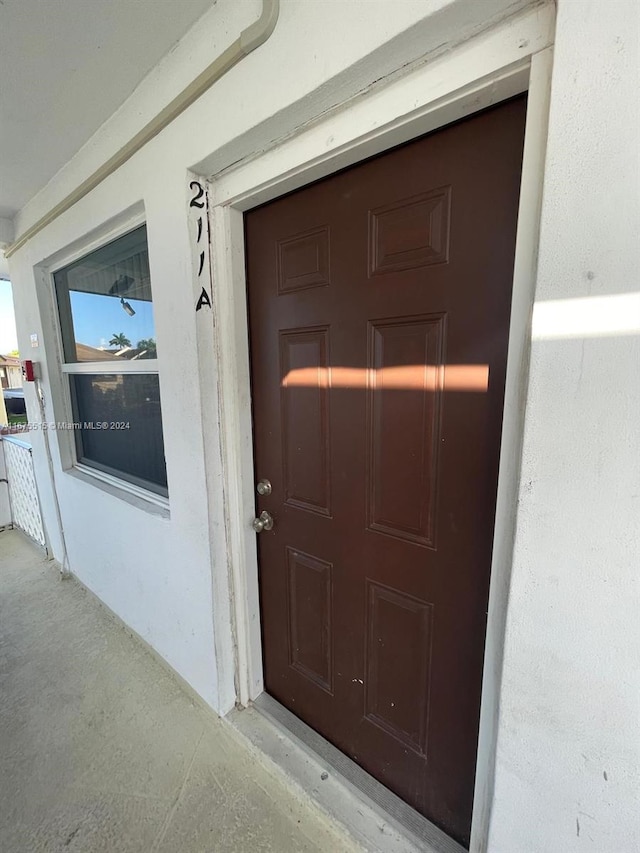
568 762
152 570
568 694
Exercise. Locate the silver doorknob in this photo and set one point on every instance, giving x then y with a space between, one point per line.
264 522
263 488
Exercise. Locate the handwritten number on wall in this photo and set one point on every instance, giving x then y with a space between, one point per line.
198 191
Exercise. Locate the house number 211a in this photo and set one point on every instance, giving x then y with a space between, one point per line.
197 202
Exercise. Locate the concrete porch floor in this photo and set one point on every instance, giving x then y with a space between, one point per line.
103 750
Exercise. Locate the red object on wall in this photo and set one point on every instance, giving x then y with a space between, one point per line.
28 372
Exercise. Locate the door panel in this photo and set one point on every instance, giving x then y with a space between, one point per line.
379 303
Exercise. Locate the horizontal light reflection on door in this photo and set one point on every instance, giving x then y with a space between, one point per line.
406 377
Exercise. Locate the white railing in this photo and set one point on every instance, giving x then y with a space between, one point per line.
23 492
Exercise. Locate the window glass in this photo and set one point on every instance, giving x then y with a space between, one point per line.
106 318
119 426
105 305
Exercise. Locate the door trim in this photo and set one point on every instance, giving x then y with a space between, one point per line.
514 57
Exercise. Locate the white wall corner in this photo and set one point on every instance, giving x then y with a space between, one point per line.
6 237
6 232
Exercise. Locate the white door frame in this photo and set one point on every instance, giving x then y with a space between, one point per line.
513 57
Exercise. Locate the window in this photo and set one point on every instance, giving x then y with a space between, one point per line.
108 340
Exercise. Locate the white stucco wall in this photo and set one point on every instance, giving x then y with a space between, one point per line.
568 763
569 703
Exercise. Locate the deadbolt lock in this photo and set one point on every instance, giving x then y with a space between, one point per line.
263 488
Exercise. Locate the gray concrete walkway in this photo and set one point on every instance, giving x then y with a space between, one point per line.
102 750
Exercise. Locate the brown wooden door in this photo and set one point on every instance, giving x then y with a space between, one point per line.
379 304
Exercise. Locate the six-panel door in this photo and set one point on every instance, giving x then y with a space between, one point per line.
379 303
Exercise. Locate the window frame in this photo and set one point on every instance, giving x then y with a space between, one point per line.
99 368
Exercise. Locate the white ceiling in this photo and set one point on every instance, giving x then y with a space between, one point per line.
65 67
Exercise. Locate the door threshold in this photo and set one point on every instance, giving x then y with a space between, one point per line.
372 815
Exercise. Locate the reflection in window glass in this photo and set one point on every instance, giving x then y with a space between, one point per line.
105 304
106 318
120 426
